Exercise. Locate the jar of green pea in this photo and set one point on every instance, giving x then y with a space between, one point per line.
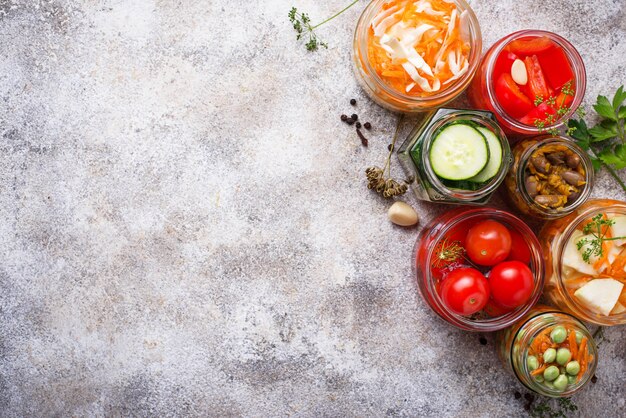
550 352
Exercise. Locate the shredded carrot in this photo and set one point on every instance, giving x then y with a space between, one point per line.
573 347
539 370
582 351
443 47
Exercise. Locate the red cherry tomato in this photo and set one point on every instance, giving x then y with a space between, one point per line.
529 46
540 113
511 98
511 284
488 243
465 291
519 248
494 310
537 85
556 66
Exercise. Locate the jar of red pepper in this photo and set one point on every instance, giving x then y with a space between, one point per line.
532 80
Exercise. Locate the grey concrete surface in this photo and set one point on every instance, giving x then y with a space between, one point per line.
185 227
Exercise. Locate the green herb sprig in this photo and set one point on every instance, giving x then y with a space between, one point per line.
598 228
605 141
561 109
302 25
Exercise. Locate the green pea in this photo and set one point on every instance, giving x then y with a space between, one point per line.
560 383
532 363
549 355
539 378
548 384
551 373
558 334
573 367
579 337
571 379
563 355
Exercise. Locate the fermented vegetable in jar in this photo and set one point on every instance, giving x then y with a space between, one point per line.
532 80
456 156
550 352
549 178
586 262
470 295
412 56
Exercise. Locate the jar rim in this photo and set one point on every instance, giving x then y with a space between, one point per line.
578 68
447 94
571 303
478 116
523 162
524 375
462 215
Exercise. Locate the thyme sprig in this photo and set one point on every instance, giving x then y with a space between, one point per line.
302 25
379 179
598 228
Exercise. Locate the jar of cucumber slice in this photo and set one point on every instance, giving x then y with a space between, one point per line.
456 156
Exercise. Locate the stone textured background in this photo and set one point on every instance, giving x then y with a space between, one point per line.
186 228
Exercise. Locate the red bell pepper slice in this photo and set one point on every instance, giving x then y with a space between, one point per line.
556 66
504 63
536 81
511 98
530 46
540 113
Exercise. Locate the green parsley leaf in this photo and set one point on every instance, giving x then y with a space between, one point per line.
618 99
607 129
604 108
615 156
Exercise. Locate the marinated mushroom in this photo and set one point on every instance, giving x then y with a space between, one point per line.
555 176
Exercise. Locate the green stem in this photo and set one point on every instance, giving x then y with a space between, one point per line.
615 176
393 144
610 170
336 14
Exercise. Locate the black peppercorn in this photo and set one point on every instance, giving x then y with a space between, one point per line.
352 102
529 397
594 379
367 125
350 121
482 340
517 395
355 116
390 147
358 124
344 118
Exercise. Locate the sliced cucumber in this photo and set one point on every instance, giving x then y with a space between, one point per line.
458 152
495 157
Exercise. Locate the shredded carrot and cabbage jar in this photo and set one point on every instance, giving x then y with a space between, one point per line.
419 47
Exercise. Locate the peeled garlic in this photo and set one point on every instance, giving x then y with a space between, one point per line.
518 72
402 214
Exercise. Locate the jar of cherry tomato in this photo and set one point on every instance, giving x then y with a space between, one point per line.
532 80
585 255
451 247
412 58
550 177
456 156
550 352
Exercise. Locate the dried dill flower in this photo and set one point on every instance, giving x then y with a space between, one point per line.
384 184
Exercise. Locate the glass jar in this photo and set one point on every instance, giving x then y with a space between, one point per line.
414 157
524 181
521 349
482 91
564 262
446 228
382 92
